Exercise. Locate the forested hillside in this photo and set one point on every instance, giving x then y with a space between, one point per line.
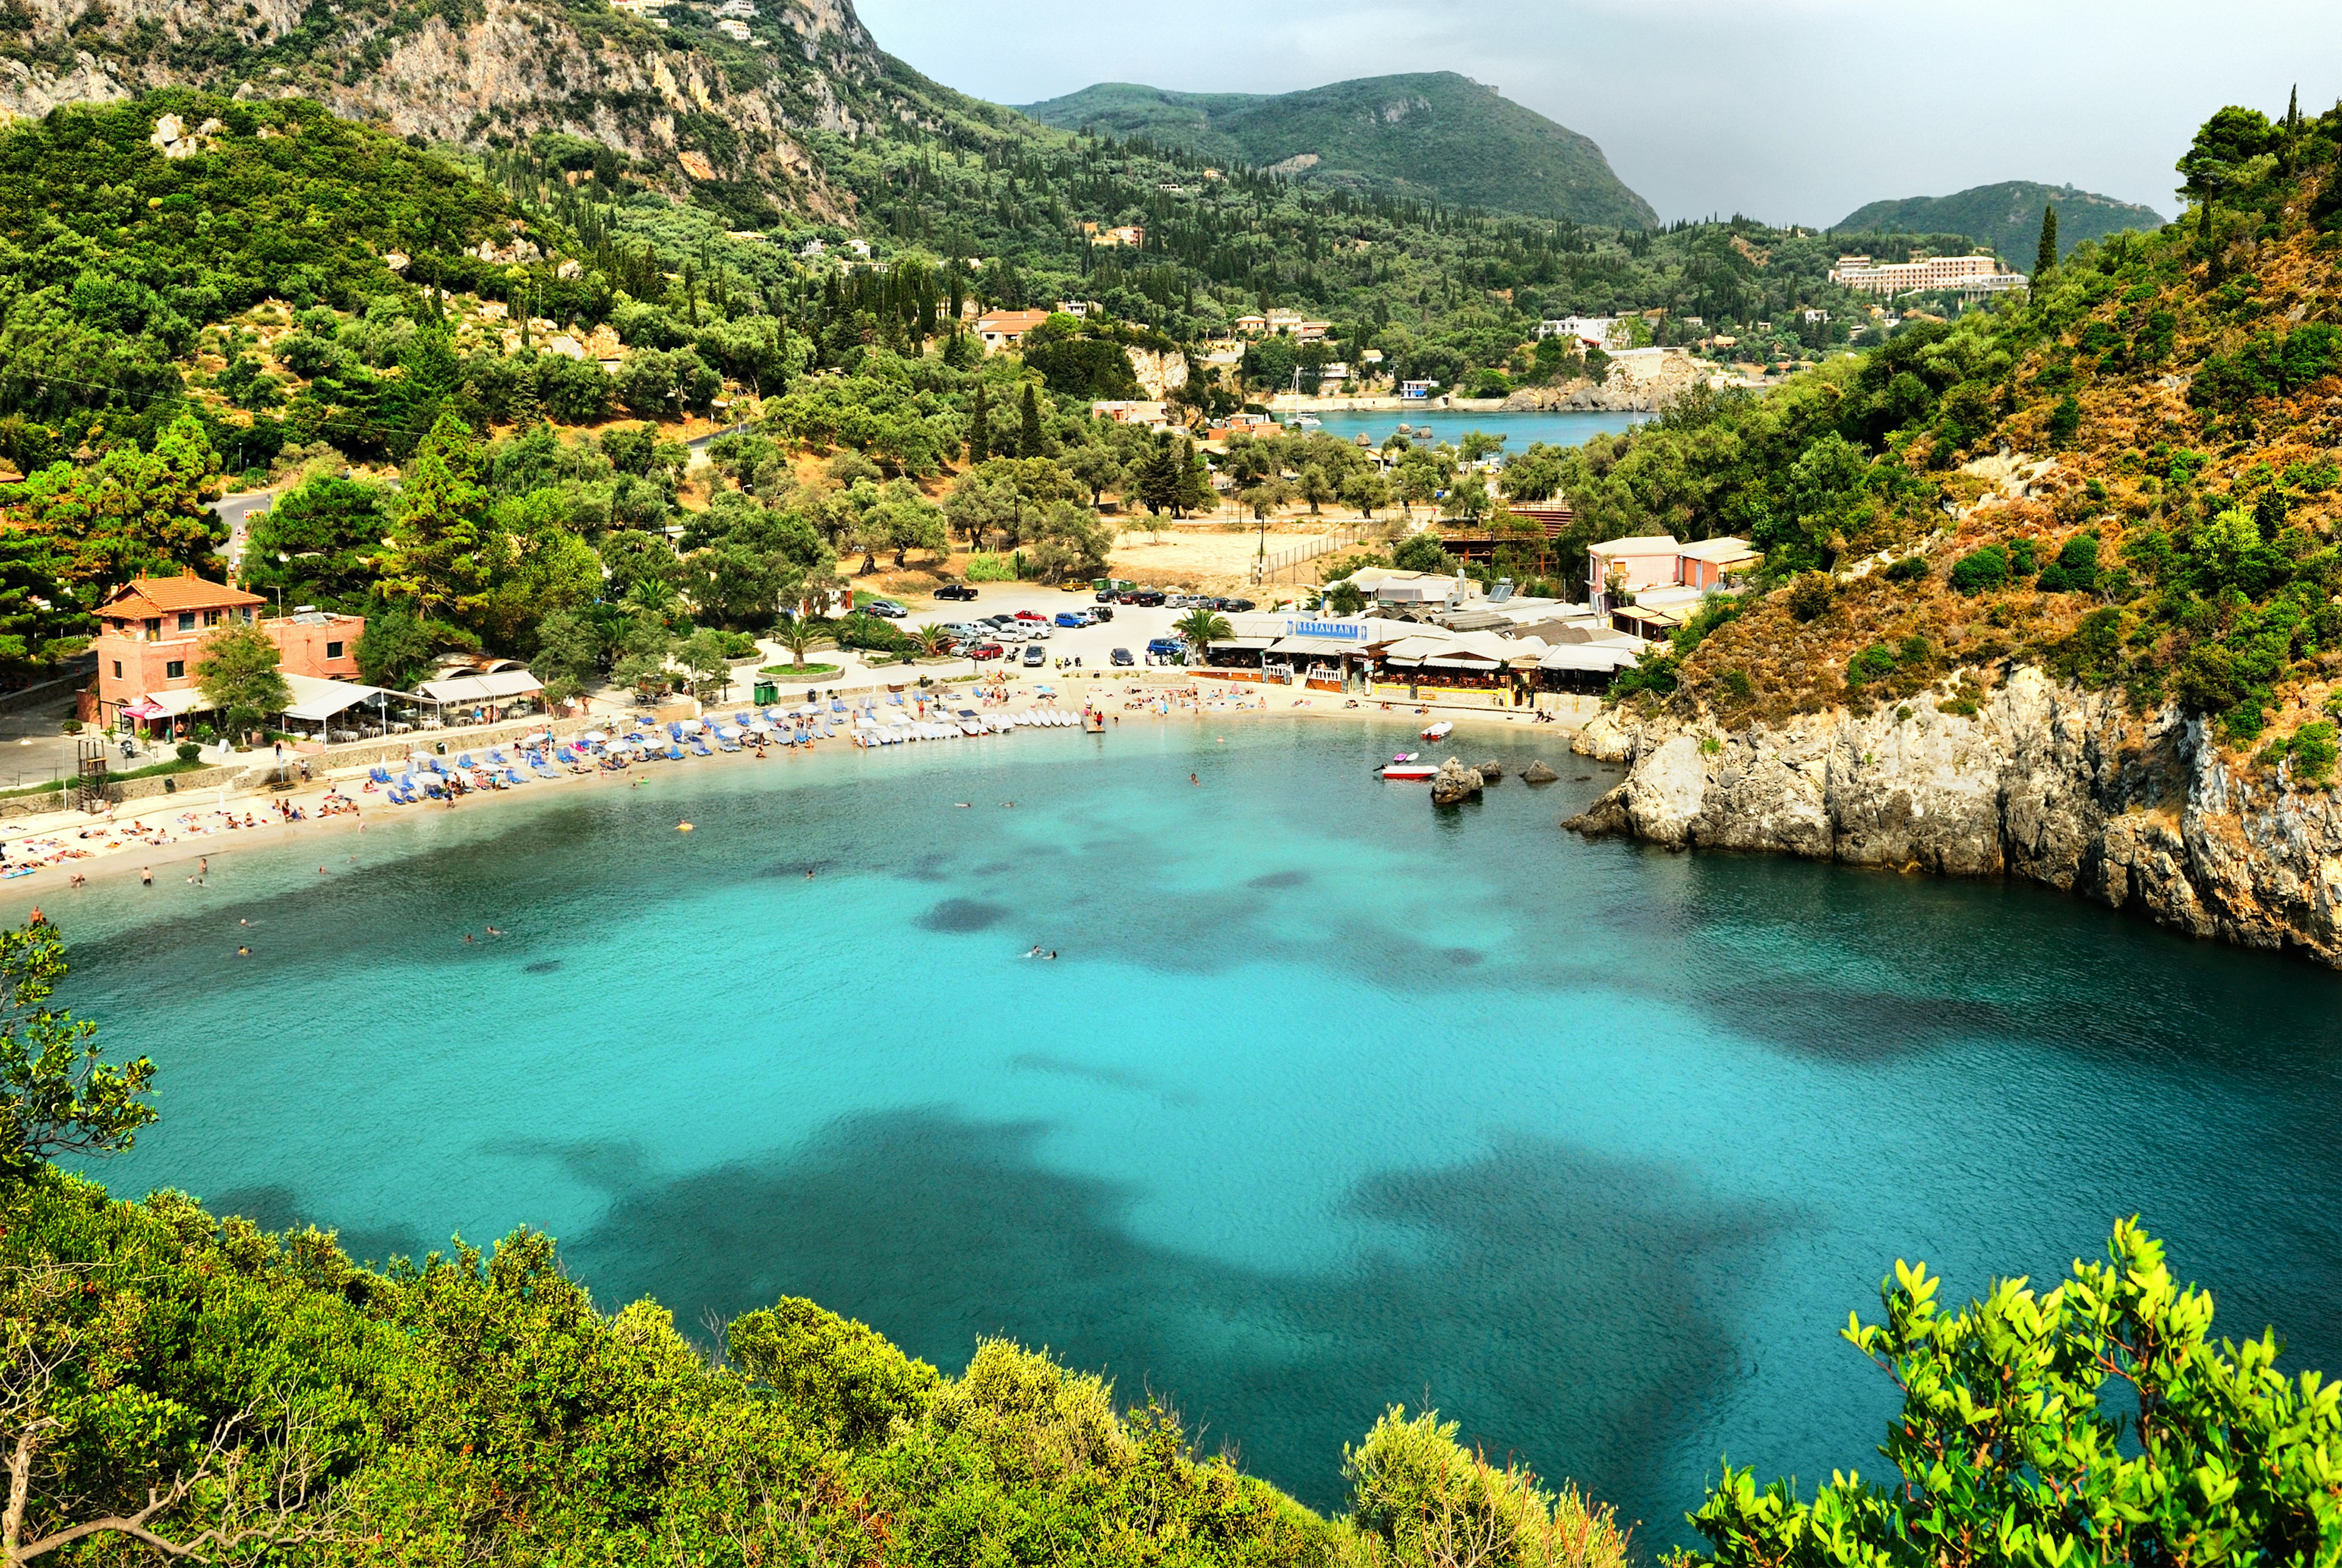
1435 136
2007 217
2134 478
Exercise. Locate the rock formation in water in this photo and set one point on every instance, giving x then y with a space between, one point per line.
1537 773
1491 771
2046 781
1454 783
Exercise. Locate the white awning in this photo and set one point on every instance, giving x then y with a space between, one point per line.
1587 656
495 687
1255 643
1298 644
178 703
317 700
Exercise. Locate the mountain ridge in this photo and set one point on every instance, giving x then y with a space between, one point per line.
1431 134
2006 216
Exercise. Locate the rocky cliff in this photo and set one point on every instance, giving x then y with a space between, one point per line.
688 110
2045 780
1641 384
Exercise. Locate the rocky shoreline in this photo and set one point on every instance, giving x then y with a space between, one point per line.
2045 781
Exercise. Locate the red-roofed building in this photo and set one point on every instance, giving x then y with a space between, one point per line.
1005 329
151 632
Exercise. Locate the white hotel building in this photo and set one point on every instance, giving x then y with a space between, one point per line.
1970 275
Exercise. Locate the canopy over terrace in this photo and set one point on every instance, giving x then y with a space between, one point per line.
487 690
315 700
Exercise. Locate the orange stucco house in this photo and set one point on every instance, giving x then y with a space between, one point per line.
151 632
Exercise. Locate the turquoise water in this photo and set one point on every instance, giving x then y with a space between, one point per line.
1449 426
1329 1100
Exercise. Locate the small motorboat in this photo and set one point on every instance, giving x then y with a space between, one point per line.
1406 768
1438 731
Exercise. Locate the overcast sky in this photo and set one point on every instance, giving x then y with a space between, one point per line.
1794 110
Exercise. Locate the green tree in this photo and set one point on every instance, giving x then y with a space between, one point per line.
1423 553
1345 598
643 653
2225 148
438 557
1364 491
801 635
132 512
1201 627
237 674
1315 487
396 648
2045 254
569 654
1029 441
316 544
979 427
2096 1423
58 1095
705 654
1097 469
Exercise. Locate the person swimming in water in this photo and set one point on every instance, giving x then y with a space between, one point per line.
494 932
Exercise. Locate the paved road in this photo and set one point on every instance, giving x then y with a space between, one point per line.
236 512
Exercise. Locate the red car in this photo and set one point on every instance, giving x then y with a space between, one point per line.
1031 615
987 651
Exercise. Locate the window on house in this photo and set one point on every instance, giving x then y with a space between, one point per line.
245 614
175 670
210 617
154 628
333 649
186 620
117 669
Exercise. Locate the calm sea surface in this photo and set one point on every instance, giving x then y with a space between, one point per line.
1327 1103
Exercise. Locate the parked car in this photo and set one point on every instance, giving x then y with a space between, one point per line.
1167 645
1031 615
1150 598
1238 606
1076 618
1122 656
1038 631
1035 658
954 591
1102 612
987 651
886 608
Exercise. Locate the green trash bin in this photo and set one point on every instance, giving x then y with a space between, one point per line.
767 693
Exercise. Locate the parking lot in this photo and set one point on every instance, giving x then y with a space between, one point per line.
1132 626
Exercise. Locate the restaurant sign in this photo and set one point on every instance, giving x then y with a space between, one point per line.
1346 630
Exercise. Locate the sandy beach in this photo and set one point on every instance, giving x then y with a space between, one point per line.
170 836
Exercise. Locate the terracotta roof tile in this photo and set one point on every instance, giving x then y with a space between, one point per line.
148 596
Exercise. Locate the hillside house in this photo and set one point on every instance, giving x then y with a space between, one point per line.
152 630
1005 330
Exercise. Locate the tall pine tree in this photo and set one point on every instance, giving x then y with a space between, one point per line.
979 429
1028 431
2046 256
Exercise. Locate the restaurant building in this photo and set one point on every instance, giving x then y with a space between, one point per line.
151 634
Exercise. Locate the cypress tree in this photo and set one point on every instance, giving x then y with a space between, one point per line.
2045 257
1028 432
979 429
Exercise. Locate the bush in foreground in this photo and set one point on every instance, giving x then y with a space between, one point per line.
2096 1423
